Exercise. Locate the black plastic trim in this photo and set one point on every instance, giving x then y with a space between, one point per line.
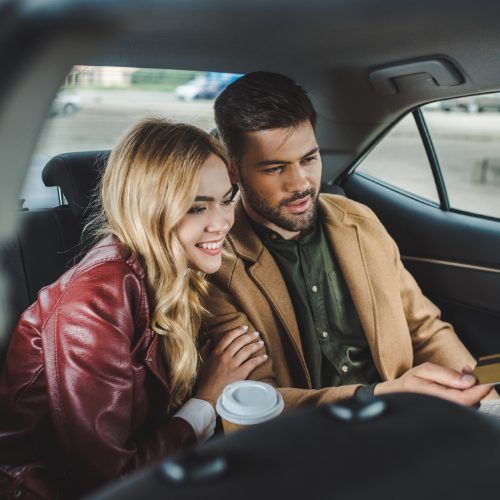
433 159
474 214
398 190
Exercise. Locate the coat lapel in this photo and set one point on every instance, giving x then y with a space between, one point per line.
343 234
267 276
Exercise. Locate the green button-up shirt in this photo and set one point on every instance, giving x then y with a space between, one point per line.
333 340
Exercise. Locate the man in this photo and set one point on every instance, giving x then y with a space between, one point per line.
316 275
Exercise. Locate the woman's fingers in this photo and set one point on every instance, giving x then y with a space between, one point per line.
245 352
230 336
240 342
248 366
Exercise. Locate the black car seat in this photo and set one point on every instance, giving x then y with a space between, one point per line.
48 241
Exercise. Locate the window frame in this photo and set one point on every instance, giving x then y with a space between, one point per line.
434 165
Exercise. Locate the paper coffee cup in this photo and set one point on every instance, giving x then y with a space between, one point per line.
248 403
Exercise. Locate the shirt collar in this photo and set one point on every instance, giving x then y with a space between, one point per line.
269 236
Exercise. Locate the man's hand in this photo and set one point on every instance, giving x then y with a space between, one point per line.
439 381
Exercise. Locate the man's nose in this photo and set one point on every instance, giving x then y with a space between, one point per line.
296 180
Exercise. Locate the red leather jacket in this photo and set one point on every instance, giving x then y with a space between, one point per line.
84 391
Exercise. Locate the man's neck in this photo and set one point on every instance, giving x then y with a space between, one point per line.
287 235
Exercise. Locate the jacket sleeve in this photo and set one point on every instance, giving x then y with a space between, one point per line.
87 346
226 315
433 340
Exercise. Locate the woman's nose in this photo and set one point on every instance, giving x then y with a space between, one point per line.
218 223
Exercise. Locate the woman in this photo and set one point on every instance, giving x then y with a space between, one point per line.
101 368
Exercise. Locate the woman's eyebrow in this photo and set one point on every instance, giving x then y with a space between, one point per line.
211 198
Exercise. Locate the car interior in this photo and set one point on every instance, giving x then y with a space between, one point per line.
367 65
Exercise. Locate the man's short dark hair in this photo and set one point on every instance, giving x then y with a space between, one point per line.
260 101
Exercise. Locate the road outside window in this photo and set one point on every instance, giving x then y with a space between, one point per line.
97 104
401 161
466 135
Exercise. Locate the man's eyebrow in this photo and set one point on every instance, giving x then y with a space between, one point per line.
282 162
211 198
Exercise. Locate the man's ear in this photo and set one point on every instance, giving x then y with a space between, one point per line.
234 174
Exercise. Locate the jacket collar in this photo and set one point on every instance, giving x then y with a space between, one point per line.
110 248
245 242
248 245
343 233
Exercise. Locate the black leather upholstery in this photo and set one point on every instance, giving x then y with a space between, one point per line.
76 174
49 240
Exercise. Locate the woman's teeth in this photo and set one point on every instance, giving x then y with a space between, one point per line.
210 246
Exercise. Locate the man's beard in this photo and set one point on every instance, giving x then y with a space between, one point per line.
277 215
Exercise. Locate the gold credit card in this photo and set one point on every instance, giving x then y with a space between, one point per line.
487 370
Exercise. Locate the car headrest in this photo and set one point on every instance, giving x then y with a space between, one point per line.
77 175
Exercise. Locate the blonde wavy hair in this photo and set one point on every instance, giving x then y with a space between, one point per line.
148 186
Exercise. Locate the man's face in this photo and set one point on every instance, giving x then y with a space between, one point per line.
279 176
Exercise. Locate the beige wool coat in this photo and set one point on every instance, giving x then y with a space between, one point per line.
403 328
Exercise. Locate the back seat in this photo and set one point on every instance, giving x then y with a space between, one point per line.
48 241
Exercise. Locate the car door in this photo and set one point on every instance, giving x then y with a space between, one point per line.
434 181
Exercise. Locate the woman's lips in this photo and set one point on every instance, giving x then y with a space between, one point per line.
210 251
215 249
299 206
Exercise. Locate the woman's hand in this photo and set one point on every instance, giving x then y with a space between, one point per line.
229 361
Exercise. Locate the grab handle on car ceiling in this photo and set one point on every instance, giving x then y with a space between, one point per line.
439 72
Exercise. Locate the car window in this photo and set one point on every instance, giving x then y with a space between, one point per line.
465 133
400 160
97 104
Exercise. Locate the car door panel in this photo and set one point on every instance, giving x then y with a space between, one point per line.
454 257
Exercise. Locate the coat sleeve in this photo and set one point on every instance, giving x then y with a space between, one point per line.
87 347
433 340
226 314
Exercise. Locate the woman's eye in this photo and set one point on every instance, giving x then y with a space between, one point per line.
196 210
227 203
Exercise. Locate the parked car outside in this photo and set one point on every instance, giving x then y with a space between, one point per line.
487 102
467 103
203 87
472 103
65 103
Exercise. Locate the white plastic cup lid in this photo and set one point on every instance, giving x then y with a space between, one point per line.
248 402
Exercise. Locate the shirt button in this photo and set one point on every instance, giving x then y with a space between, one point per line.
345 368
324 334
314 288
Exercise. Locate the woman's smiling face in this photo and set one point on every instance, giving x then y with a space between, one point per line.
203 229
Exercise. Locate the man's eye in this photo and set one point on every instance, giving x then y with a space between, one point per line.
309 159
273 170
196 210
228 202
